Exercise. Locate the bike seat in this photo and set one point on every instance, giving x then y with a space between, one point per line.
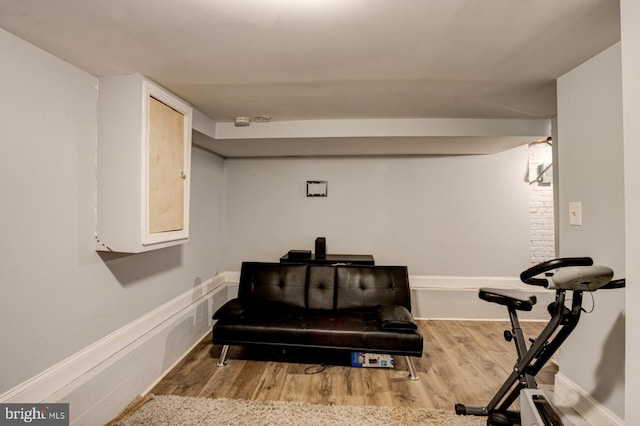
515 299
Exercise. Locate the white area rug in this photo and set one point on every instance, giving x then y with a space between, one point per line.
179 410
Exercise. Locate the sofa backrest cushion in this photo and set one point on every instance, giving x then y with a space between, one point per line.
273 282
321 293
367 286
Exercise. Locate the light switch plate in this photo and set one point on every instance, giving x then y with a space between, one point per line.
575 213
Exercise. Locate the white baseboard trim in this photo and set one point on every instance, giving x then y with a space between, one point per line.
456 298
232 277
580 401
465 283
58 380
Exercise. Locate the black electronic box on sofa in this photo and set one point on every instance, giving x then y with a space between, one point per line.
346 307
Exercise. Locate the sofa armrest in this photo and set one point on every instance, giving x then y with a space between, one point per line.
233 309
395 317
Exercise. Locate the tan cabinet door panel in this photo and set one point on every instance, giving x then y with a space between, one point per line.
166 168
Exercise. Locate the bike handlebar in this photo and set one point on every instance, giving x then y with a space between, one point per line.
621 283
527 276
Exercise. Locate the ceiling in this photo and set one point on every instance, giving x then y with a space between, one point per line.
298 60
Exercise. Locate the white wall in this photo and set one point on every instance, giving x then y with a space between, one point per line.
590 158
460 216
630 12
58 295
441 216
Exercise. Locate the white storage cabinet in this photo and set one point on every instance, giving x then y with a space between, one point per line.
144 163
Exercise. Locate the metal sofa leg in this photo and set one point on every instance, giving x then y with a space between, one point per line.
412 369
223 356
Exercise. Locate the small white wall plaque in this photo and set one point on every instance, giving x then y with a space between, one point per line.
316 188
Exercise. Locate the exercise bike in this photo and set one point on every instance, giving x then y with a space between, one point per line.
577 275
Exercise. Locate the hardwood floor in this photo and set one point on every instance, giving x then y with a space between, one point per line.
463 361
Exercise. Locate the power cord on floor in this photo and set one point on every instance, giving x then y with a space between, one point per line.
315 369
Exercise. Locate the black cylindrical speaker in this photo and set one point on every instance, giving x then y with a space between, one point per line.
321 248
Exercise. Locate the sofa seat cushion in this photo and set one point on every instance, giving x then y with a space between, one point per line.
349 329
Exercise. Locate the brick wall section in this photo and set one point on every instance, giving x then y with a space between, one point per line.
541 208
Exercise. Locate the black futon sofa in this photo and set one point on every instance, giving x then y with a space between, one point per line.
346 307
